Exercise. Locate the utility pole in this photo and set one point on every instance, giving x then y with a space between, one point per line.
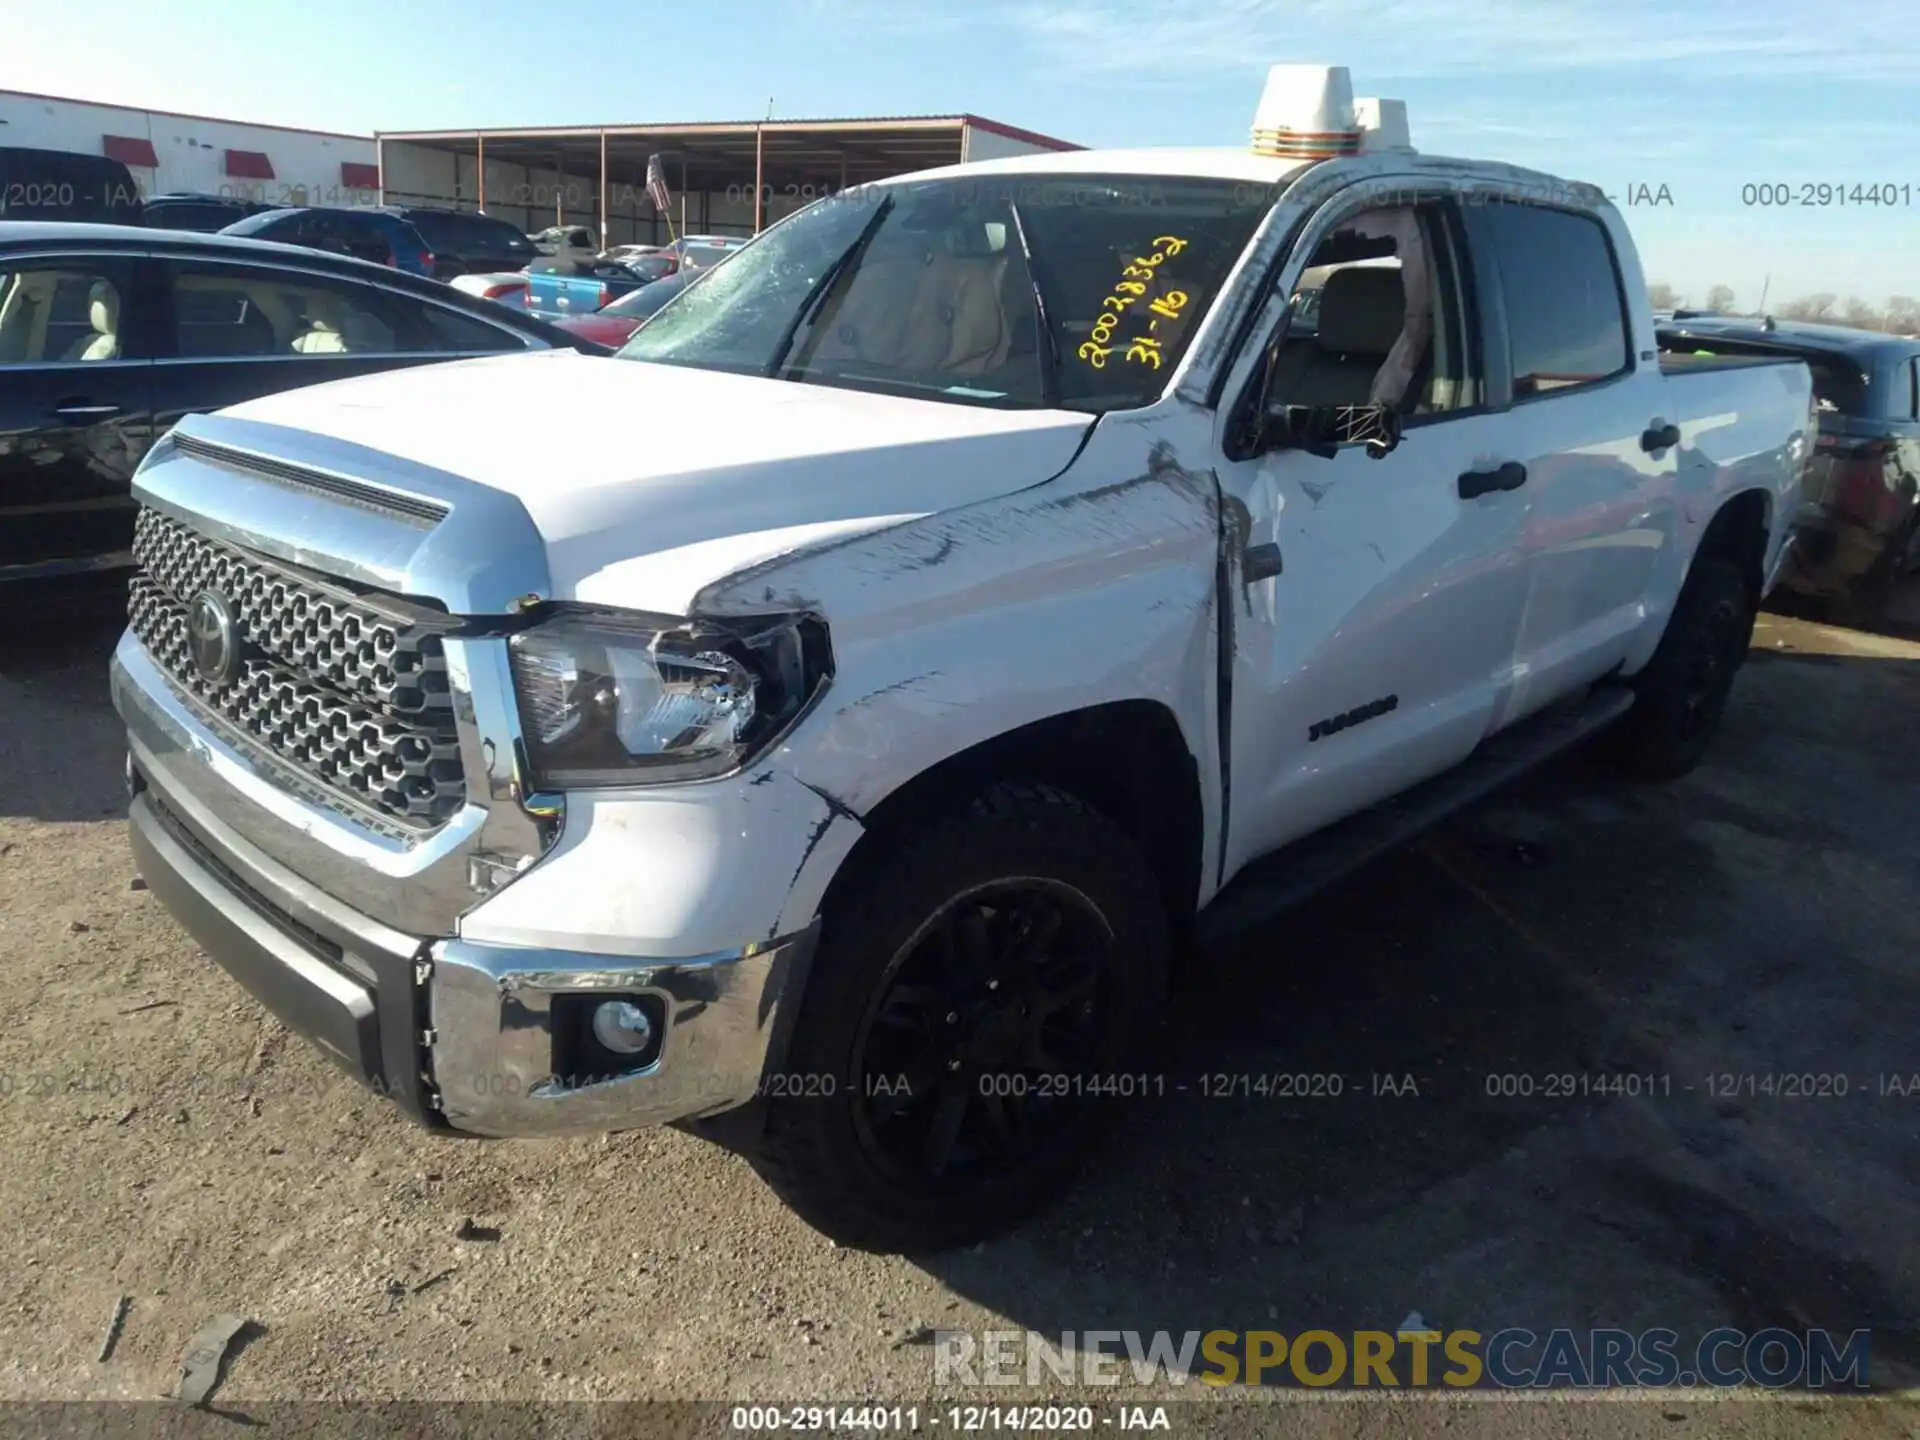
1763 294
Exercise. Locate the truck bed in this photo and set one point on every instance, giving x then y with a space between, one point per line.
1683 362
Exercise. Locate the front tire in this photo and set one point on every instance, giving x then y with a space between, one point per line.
1682 693
965 1036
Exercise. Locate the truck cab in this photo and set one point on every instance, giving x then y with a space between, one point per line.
1005 585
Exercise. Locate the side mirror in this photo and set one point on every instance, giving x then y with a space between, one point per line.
1321 430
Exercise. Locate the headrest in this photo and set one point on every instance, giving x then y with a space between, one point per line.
103 308
1362 309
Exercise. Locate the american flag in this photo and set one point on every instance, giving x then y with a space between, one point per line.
657 185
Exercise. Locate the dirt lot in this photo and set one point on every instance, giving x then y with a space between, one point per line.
165 1140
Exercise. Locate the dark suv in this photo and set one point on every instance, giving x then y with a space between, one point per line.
1858 532
66 185
204 213
465 242
375 235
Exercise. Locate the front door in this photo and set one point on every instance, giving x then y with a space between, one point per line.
1377 599
75 417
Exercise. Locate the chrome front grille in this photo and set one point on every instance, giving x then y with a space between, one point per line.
349 691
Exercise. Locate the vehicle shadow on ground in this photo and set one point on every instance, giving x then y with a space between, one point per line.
1540 1021
62 750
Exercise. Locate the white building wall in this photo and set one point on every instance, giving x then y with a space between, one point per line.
984 144
192 151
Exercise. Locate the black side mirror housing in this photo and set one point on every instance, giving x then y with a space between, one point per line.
1321 430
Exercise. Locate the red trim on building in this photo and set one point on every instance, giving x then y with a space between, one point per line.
249 165
357 175
1014 132
129 150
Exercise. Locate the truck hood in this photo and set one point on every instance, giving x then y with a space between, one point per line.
648 482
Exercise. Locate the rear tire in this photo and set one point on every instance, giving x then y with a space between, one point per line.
987 972
1682 693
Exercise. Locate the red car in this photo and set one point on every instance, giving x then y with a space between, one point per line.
614 323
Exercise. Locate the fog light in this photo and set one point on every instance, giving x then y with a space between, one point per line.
622 1027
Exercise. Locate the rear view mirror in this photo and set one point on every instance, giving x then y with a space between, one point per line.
1323 429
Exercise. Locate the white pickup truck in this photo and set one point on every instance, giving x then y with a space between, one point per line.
974 592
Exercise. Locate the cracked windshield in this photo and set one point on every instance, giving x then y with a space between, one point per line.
1077 292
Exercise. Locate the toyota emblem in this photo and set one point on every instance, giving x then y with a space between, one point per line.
213 639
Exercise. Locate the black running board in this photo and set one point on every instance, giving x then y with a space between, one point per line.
1276 882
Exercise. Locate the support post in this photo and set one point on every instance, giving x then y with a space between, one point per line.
605 238
380 164
480 163
759 174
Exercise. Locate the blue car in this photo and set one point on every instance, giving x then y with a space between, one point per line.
373 235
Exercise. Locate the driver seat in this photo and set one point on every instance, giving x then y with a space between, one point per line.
1362 311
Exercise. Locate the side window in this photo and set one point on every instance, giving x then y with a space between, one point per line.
226 311
65 311
459 334
1378 317
1566 319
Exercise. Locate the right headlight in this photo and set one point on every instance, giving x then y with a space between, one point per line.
617 698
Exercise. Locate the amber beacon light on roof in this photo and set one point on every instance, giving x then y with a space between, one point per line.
1308 112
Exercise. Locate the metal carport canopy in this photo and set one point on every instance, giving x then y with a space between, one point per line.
772 154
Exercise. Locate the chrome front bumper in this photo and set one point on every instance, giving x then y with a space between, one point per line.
460 1035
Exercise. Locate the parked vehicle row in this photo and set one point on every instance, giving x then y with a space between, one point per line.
557 287
1005 595
110 334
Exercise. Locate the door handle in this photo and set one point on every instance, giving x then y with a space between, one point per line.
1659 436
1260 562
80 410
1475 483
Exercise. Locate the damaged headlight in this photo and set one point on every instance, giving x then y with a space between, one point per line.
608 698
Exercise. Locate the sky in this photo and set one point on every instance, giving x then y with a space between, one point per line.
1701 99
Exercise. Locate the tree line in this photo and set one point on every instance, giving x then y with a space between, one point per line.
1899 316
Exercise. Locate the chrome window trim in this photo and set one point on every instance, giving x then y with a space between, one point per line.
341 355
14 367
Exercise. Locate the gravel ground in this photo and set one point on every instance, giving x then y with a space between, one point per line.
166 1140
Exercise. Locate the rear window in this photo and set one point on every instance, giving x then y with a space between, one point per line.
700 255
203 215
260 224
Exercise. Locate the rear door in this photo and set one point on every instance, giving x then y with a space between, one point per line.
1585 409
234 331
75 412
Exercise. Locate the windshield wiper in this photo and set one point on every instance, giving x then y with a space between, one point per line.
816 297
1050 369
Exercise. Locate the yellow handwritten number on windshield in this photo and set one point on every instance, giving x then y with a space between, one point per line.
1132 285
